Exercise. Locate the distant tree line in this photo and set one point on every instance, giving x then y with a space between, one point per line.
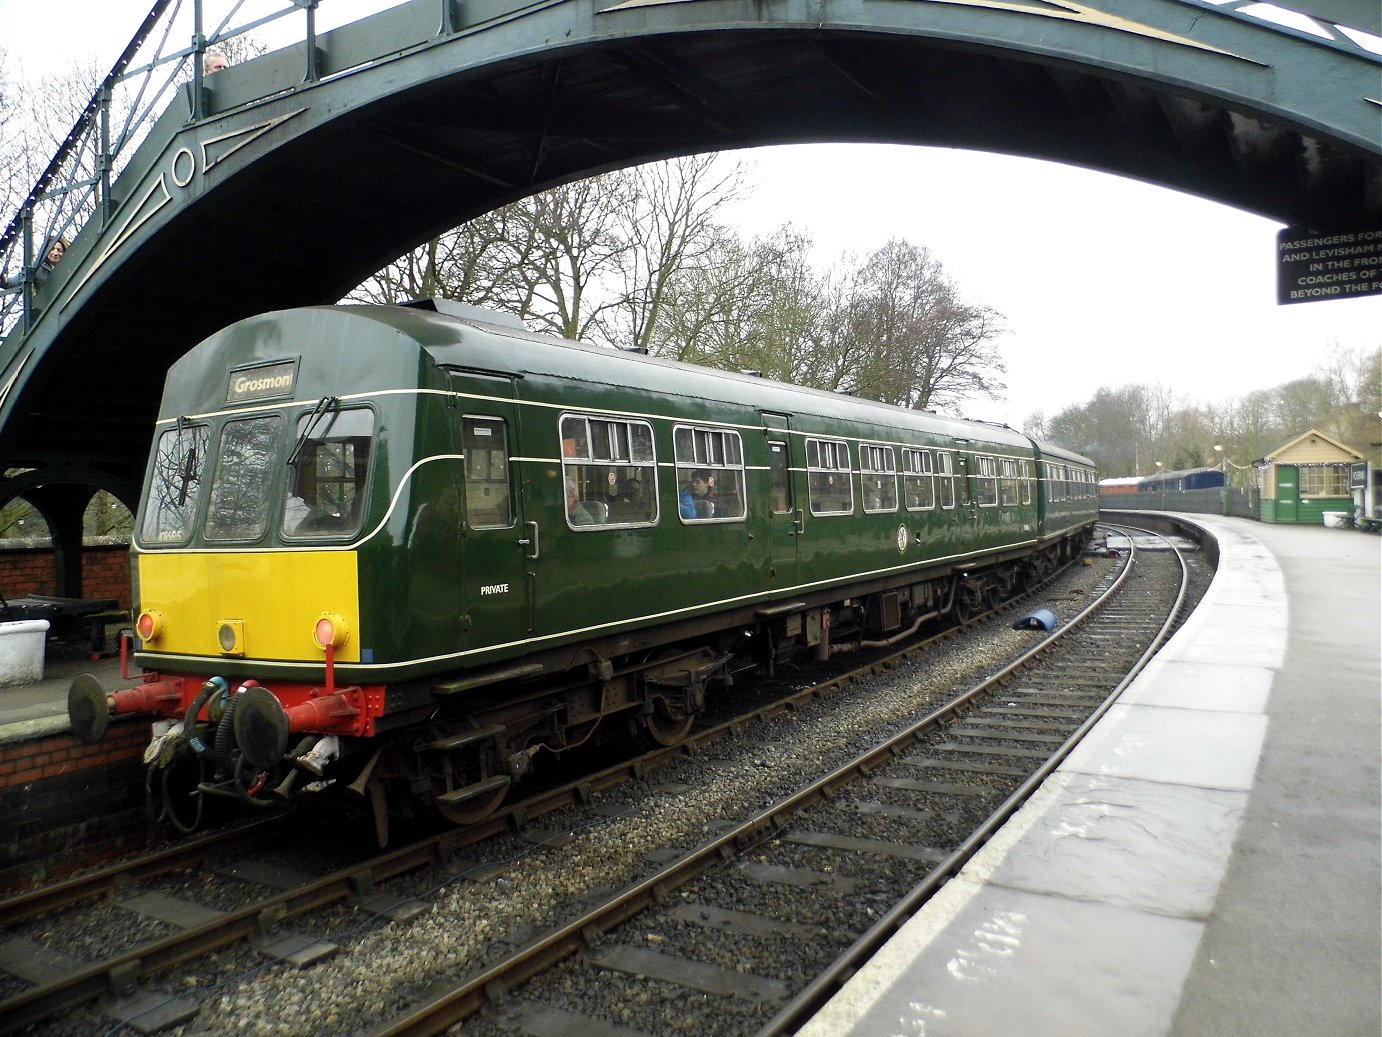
1127 430
639 259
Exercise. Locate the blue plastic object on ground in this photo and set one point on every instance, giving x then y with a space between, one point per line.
1041 619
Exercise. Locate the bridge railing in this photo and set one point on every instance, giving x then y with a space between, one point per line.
162 59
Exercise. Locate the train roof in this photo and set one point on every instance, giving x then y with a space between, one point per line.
463 337
473 337
468 337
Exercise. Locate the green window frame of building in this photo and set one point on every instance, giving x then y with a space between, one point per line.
1329 480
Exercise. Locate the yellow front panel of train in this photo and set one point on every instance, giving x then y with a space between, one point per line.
258 605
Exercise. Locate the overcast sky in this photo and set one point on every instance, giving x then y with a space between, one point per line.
1101 281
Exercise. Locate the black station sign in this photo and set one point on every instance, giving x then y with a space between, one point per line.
1358 475
262 381
1311 266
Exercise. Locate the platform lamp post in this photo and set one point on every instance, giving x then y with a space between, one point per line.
1160 482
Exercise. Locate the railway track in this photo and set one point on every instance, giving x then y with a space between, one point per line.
977 744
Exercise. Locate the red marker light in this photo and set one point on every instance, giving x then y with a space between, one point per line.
149 625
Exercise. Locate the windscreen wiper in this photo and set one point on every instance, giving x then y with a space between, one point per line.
324 406
189 466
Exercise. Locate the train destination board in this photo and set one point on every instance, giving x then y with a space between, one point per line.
1312 266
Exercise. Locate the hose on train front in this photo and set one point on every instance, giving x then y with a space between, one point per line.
189 722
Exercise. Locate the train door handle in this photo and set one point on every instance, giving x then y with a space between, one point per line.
799 521
532 541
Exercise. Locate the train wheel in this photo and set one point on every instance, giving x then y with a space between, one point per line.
968 601
666 729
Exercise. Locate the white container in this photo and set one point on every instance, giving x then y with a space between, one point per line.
1335 519
21 652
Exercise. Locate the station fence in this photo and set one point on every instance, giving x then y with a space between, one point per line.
1217 500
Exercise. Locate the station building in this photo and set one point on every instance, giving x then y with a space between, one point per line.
1306 477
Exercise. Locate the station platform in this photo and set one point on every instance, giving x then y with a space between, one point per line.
39 710
1206 862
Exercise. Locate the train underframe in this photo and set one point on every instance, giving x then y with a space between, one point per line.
455 746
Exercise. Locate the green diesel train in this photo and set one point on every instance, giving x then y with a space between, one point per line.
407 550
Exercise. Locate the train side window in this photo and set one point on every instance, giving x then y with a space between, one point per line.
245 472
1007 485
175 484
1025 477
710 474
829 477
918 480
327 479
609 472
945 478
986 486
878 477
780 469
487 501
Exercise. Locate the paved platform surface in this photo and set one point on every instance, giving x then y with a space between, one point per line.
39 709
1206 863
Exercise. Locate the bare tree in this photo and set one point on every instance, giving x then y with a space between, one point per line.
755 306
473 263
668 226
918 344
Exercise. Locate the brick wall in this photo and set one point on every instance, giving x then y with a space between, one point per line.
63 800
30 570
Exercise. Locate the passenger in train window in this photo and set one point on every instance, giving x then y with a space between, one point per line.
630 504
695 494
575 510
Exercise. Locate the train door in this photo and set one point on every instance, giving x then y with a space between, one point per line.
495 541
1287 493
966 496
786 518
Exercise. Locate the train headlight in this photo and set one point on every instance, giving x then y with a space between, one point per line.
230 634
331 631
149 626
